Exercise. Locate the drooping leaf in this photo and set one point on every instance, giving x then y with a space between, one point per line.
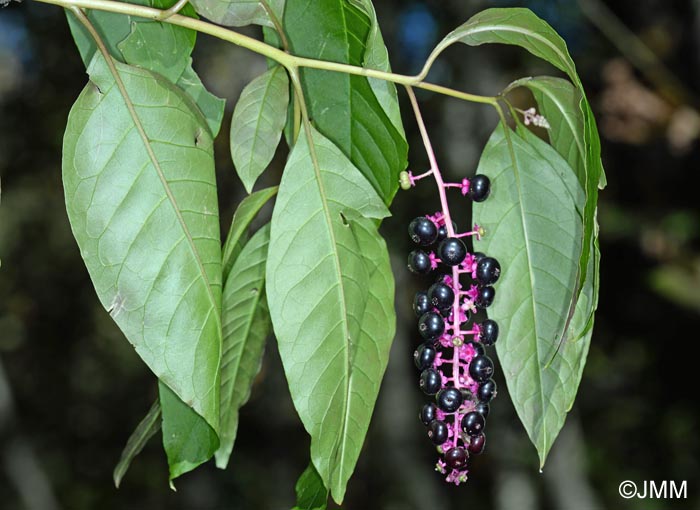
145 430
327 266
257 124
533 227
311 493
238 13
188 440
246 325
344 108
377 57
212 107
521 27
246 211
141 199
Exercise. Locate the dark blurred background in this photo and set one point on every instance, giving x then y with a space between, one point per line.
72 389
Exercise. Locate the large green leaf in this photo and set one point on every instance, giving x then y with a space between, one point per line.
245 212
238 13
141 198
311 493
533 227
330 290
257 124
212 107
521 27
145 430
246 324
344 108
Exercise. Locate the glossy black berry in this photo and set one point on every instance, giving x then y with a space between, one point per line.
437 432
441 296
442 231
485 297
487 391
430 381
481 368
478 256
449 399
419 262
431 325
488 270
479 188
476 445
421 303
457 458
473 423
452 251
422 231
424 356
489 332
428 414
483 409
478 348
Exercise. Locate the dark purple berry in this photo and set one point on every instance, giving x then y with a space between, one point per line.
476 445
441 296
489 332
473 423
419 262
478 348
431 325
481 368
430 381
487 391
449 399
479 188
478 256
452 251
437 432
421 303
442 231
422 231
488 270
424 356
427 414
483 409
485 297
457 458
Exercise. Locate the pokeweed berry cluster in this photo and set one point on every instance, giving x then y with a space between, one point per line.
455 370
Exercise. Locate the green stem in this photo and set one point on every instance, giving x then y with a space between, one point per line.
284 58
276 22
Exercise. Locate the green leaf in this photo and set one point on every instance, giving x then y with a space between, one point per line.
141 199
377 57
246 211
237 13
246 324
311 493
257 124
344 108
212 107
330 291
145 430
521 27
533 227
188 440
115 28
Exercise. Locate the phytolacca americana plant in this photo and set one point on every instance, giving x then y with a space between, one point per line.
455 370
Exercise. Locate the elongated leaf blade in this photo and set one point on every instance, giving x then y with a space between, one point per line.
142 203
238 13
246 325
533 227
311 493
246 211
319 284
211 106
344 108
257 124
145 430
